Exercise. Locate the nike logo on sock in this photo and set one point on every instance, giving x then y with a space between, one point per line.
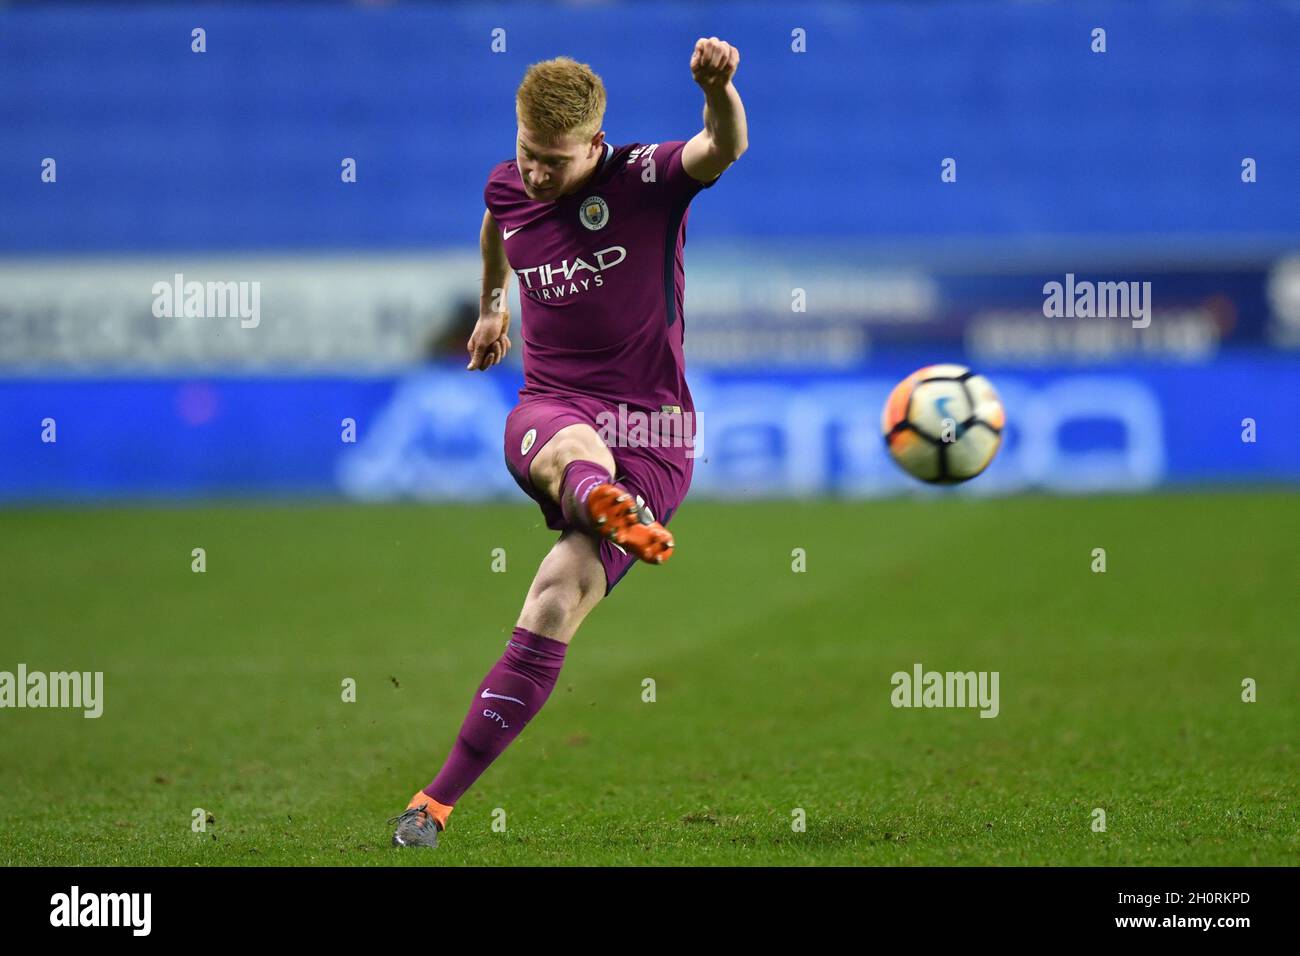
487 693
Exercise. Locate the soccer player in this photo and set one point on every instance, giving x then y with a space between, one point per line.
594 232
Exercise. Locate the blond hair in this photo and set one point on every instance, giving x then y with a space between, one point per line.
560 96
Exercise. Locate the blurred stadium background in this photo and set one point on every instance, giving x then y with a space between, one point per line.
127 159
226 165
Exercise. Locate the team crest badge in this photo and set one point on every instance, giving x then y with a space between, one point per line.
530 436
594 213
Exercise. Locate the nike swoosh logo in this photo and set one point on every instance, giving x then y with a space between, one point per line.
488 693
510 232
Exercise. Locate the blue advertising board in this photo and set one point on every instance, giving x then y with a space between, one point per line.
437 434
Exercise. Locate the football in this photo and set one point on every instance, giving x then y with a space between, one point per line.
943 423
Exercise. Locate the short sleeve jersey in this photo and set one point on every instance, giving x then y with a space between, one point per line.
601 279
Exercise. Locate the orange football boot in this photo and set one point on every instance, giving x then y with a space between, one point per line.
614 514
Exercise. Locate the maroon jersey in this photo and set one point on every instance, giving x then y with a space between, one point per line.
601 281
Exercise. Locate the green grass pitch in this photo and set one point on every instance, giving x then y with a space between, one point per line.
222 690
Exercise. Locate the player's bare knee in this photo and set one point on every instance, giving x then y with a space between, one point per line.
573 443
559 604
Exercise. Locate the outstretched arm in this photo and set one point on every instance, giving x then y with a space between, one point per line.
726 134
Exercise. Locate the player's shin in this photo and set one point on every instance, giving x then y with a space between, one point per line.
511 694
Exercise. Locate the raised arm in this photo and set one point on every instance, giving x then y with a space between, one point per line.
726 134
489 343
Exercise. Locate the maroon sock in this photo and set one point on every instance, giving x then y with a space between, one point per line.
579 478
511 695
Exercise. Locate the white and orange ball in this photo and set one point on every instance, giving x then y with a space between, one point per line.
943 423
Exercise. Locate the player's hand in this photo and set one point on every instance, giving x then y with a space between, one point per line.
714 62
488 343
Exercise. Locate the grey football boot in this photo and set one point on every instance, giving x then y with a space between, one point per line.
415 827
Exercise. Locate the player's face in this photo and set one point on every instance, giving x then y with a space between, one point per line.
551 167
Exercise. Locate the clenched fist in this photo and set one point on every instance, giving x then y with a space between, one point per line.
714 62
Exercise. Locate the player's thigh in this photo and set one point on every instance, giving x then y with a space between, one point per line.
569 582
575 442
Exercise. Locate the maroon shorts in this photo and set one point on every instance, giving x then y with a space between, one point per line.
658 475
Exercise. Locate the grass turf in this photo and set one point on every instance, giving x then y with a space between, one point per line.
1119 690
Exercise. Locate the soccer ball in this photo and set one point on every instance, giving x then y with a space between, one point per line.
943 424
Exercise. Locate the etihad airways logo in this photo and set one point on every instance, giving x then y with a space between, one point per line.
568 278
